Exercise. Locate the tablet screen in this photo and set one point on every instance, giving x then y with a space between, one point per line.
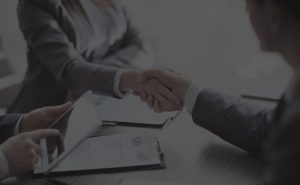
76 124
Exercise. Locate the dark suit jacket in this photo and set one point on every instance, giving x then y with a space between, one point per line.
271 134
283 149
246 126
7 126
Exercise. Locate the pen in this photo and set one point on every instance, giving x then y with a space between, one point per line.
107 123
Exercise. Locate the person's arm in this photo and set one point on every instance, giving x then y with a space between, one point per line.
53 48
132 52
238 123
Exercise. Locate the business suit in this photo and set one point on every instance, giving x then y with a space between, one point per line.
7 126
68 56
283 149
246 126
272 134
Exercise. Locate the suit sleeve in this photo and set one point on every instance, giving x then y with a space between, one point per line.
133 51
7 126
240 124
52 47
283 151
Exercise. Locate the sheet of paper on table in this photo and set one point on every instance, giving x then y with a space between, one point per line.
114 152
132 110
139 182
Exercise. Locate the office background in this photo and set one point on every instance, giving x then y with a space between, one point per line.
210 41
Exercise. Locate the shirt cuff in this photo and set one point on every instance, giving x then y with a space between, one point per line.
117 92
191 96
17 128
4 168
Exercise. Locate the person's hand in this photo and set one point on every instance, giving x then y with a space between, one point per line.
22 151
173 81
159 94
43 118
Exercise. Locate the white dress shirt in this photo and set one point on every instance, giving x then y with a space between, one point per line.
191 96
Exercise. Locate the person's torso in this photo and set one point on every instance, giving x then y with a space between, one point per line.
98 32
97 35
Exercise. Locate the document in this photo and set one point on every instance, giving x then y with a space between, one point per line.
132 110
114 151
79 123
139 182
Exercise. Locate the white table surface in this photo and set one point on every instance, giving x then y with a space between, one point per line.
192 155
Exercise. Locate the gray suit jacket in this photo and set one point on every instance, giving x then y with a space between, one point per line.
283 149
7 126
246 126
271 134
68 55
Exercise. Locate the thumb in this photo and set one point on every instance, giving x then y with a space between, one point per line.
148 74
37 135
56 111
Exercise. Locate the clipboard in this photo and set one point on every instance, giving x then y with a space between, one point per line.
128 163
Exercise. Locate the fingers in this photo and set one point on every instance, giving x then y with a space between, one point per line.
55 111
37 135
156 106
163 103
33 158
169 95
34 152
143 96
36 148
150 74
159 104
150 101
60 144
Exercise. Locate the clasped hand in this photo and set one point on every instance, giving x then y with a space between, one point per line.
163 91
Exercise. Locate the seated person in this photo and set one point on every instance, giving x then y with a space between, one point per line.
75 46
20 136
273 134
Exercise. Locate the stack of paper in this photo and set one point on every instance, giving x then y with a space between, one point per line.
132 110
114 152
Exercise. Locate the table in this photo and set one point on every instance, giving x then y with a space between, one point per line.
192 154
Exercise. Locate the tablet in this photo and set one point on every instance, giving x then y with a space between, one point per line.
79 122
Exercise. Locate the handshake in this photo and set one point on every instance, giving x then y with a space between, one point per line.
163 91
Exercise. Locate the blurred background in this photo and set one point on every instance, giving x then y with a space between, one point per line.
209 41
